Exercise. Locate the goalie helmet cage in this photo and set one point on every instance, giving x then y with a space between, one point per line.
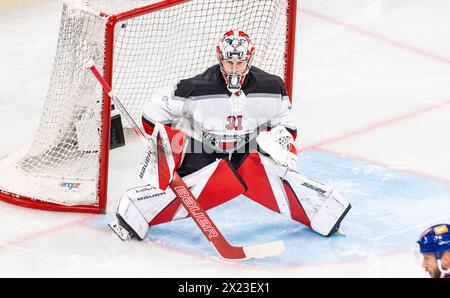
141 46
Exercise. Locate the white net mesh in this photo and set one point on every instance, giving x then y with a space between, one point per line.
180 43
150 51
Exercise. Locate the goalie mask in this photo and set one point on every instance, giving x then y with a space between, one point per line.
235 53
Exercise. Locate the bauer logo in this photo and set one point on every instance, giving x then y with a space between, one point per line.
145 165
70 186
181 191
315 188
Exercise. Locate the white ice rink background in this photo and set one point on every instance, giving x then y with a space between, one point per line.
372 101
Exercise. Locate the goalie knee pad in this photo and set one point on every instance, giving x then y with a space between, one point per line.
311 203
212 185
141 207
323 207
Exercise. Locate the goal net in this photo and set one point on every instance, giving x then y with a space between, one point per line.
140 46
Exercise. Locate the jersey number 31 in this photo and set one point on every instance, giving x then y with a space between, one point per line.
234 123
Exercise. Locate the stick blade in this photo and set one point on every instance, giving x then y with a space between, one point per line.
265 250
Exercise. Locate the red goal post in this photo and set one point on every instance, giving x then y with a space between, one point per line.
66 166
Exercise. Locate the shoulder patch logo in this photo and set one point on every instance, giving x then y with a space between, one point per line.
441 229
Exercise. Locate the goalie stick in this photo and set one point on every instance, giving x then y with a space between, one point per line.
190 203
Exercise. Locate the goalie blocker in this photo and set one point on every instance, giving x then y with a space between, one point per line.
258 177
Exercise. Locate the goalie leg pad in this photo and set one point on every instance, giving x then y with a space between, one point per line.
324 206
311 203
212 185
141 207
129 218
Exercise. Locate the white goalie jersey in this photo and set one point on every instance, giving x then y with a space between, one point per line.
217 118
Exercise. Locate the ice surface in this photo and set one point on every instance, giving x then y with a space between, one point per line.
359 65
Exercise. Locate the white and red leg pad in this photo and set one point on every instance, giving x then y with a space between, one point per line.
311 203
146 206
130 215
213 185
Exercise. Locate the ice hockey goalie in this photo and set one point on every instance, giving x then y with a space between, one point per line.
230 132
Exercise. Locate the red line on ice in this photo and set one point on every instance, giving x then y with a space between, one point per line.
377 36
387 122
374 126
385 165
38 234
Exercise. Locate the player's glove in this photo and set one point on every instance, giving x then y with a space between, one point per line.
278 143
163 155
